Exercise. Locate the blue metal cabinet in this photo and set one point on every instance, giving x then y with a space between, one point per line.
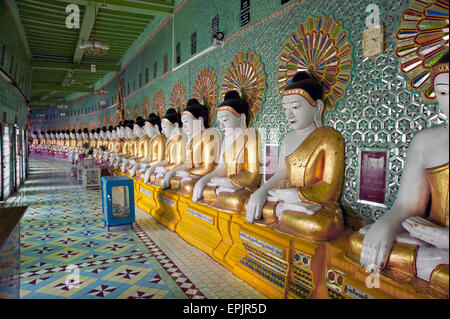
117 201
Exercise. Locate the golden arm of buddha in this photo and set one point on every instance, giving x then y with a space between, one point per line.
156 156
174 156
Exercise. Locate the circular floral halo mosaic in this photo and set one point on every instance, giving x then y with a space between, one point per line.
422 39
245 74
321 47
177 98
158 106
205 90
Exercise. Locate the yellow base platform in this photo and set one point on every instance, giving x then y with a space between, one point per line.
166 211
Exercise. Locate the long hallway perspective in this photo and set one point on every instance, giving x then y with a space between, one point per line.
63 236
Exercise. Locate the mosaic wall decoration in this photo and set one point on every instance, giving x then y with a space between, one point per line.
145 108
245 74
111 120
205 90
177 98
93 126
421 40
158 105
321 47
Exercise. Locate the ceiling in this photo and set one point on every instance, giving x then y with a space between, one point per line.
59 66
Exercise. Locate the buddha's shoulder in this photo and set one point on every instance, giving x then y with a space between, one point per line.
329 131
429 138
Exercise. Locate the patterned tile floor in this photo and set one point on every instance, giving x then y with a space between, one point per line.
63 238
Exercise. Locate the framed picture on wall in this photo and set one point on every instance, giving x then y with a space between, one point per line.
372 176
270 160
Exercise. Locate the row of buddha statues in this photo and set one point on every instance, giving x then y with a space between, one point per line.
182 153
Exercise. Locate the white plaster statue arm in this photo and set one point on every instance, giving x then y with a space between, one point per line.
425 230
171 173
152 168
202 182
258 198
411 201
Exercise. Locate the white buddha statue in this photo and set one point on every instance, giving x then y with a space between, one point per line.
130 140
142 139
154 154
237 174
408 239
311 162
174 149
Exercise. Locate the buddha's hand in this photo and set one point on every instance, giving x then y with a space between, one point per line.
221 182
197 194
287 195
425 230
377 245
167 178
160 170
182 173
255 206
133 171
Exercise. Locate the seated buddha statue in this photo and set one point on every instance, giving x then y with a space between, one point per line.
34 140
174 150
108 144
411 240
121 140
155 150
141 150
67 141
129 147
48 140
202 150
302 197
112 137
92 139
100 143
55 140
237 174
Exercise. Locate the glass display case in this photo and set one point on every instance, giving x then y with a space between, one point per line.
117 201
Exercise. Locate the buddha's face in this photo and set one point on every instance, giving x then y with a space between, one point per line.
138 131
47 135
52 135
441 89
228 121
188 123
299 112
149 129
102 134
129 132
114 135
108 135
33 135
72 135
78 136
166 128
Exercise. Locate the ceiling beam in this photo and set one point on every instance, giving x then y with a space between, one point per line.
20 29
153 8
46 101
69 66
38 88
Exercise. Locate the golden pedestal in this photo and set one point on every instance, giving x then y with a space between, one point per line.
166 211
147 200
345 279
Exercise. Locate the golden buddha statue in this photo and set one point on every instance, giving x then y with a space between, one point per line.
156 147
237 175
67 140
406 240
174 150
141 150
119 144
130 146
109 144
92 139
312 162
202 150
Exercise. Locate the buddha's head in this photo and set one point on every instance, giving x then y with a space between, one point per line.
152 125
114 135
34 134
170 121
109 132
72 134
232 113
53 134
194 117
85 133
302 101
122 128
48 134
78 134
138 126
129 133
91 133
97 133
440 78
